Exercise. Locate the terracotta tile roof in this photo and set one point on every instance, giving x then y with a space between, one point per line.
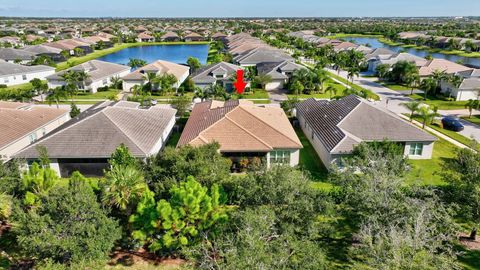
160 67
441 65
239 127
17 120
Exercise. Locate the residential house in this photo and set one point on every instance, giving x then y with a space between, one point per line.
261 55
70 46
16 56
15 74
42 50
243 130
469 87
22 124
335 127
219 73
170 37
443 65
145 37
13 41
100 74
193 37
219 36
391 60
280 72
86 142
159 68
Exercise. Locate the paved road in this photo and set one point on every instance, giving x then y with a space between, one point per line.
392 100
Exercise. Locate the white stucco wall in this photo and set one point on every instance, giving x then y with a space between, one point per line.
322 152
164 137
17 79
274 85
93 87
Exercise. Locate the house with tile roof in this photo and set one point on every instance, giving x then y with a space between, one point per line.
15 74
192 36
335 127
392 59
160 68
170 37
41 50
100 74
469 87
22 124
443 65
219 73
16 56
145 37
86 142
243 130
280 72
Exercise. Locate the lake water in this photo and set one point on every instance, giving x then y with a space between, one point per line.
375 43
172 53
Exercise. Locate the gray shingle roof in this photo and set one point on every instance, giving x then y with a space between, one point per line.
97 132
96 70
12 69
14 54
341 123
205 74
275 69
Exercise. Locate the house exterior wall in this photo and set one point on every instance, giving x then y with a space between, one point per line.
164 137
322 152
294 157
21 78
7 152
92 87
426 152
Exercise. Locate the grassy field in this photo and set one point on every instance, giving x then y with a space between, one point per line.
440 103
344 35
73 61
370 94
309 159
24 86
475 119
97 95
394 86
340 92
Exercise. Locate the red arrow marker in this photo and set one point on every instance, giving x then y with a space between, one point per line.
240 83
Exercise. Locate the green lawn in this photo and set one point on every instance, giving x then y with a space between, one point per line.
470 259
475 119
442 104
73 61
394 86
97 95
256 94
370 94
24 86
310 161
428 171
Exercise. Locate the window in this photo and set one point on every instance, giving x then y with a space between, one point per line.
32 137
6 80
416 149
105 81
24 77
280 157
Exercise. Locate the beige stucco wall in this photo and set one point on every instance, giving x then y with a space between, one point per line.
426 153
8 151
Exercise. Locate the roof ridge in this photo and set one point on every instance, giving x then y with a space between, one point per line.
261 120
244 129
120 129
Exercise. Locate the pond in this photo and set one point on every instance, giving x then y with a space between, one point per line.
375 43
172 53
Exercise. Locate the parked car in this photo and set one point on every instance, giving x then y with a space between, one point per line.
452 123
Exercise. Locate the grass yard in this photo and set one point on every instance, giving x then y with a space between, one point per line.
394 86
475 119
310 161
469 259
24 86
256 94
97 95
73 61
428 171
370 94
442 104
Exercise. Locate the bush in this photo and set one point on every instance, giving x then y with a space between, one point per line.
103 89
3 86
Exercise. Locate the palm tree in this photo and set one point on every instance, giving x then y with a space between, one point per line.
382 71
412 106
56 95
39 87
471 105
263 80
136 63
124 185
352 72
151 78
439 76
429 85
321 77
332 90
202 94
426 114
411 80
116 82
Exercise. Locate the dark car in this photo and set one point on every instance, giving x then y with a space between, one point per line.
452 123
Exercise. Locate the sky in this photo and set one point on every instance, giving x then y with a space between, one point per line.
238 8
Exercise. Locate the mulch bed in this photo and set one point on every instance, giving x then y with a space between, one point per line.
469 243
129 258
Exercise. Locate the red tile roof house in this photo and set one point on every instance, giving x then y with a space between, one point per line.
145 37
159 67
193 37
86 142
335 127
69 45
22 124
243 130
